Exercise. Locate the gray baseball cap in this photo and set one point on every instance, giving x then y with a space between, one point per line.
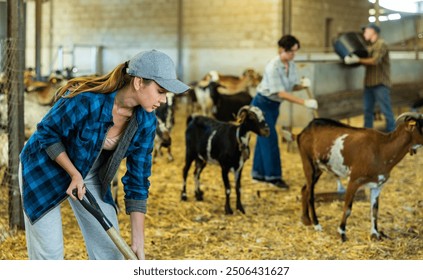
157 66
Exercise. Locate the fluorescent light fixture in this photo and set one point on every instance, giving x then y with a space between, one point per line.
394 16
408 6
383 18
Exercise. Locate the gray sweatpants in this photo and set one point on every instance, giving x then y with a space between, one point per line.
45 237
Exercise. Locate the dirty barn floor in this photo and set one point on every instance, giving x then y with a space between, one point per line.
270 229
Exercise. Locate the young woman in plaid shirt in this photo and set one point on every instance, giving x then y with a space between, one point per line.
95 124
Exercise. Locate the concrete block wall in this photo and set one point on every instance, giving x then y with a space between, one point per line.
121 27
309 19
223 35
226 24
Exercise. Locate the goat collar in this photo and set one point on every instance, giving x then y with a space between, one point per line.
243 144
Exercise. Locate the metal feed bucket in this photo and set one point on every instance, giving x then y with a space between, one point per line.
350 43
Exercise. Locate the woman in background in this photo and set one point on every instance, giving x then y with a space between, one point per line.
279 80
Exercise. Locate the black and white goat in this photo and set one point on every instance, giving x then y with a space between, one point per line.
166 120
366 156
162 139
227 144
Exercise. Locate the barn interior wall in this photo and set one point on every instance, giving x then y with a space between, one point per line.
223 35
3 20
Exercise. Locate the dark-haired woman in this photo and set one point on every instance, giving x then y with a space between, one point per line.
279 80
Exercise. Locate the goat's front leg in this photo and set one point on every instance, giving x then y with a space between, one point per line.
156 150
238 190
339 187
228 209
374 209
349 198
169 155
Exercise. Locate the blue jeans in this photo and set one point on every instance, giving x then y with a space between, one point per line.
382 95
267 161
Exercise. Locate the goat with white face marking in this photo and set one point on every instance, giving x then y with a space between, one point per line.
209 140
162 139
366 156
166 120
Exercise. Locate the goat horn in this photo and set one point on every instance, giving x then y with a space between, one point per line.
243 108
408 114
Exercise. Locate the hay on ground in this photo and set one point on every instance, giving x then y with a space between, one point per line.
270 229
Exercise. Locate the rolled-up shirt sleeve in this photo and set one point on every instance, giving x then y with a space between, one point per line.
132 205
138 169
55 150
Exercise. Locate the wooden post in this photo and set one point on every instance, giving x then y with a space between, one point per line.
15 54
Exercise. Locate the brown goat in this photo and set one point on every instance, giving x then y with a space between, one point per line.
232 84
366 156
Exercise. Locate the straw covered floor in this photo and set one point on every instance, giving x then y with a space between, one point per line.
270 229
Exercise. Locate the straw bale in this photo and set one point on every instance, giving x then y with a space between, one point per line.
271 227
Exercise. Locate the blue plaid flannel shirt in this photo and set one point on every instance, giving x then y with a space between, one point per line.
275 79
78 125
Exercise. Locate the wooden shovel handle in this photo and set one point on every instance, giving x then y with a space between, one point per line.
121 244
91 205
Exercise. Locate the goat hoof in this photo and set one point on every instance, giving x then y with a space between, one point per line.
378 236
375 236
318 227
383 235
228 211
199 195
306 220
184 197
343 237
240 208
